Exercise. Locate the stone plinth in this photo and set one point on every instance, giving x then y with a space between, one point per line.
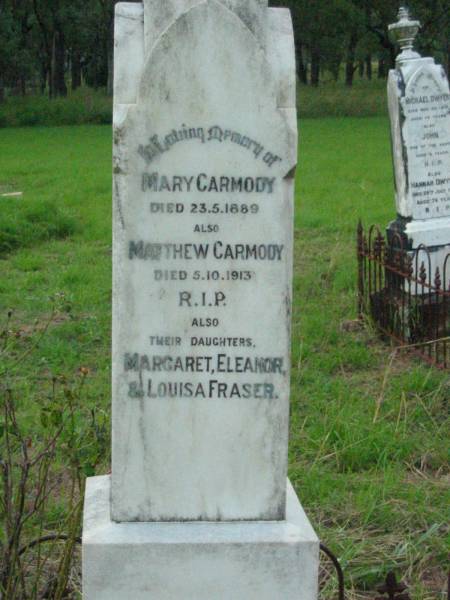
197 561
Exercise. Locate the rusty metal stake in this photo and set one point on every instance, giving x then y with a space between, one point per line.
393 589
339 572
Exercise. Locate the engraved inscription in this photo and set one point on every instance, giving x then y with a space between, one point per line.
199 278
427 137
158 145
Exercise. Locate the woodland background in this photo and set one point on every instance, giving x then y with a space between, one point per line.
53 47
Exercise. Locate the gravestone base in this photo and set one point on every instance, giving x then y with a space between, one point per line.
197 560
434 234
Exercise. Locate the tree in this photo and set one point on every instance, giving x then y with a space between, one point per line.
18 61
54 42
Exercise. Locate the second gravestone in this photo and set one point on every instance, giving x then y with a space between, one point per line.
205 135
419 109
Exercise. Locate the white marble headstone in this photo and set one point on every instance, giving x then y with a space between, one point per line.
419 106
205 148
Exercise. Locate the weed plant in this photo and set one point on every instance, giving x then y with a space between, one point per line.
50 440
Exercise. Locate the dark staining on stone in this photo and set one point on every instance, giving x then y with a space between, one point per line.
183 26
288 305
118 135
119 203
397 229
131 17
291 174
402 88
277 501
247 16
401 84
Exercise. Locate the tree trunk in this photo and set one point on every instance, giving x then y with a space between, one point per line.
59 87
315 68
361 68
43 74
381 68
2 90
335 69
393 55
302 67
350 62
110 56
16 87
369 67
46 63
110 80
76 70
349 71
447 66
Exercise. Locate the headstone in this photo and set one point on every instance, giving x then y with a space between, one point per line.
205 147
419 107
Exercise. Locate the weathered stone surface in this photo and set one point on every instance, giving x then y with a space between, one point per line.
128 51
161 14
419 105
196 561
205 151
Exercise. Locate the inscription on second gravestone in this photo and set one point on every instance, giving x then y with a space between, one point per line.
420 116
427 137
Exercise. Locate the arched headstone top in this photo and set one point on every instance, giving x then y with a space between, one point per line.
160 14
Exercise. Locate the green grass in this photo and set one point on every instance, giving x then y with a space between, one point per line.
375 487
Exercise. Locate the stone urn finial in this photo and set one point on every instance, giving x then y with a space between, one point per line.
403 13
404 33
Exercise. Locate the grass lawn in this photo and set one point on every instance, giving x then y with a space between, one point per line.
369 428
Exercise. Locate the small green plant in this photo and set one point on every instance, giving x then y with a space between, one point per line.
43 464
